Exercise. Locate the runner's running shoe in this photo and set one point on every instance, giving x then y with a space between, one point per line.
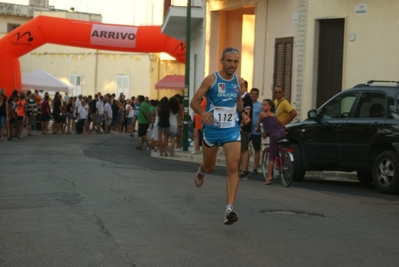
199 177
230 217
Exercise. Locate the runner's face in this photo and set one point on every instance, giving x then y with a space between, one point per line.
230 63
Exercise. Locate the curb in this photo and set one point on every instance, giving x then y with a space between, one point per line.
188 157
221 161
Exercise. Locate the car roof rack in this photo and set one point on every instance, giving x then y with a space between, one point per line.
368 83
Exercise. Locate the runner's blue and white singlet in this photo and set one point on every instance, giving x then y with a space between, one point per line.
222 102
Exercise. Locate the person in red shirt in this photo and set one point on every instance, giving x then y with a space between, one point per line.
38 98
21 114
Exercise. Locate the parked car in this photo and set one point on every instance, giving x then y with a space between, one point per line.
356 130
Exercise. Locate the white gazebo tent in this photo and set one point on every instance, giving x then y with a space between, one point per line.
41 80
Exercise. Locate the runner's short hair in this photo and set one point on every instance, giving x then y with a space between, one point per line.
229 50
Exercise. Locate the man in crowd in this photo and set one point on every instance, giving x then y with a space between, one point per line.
143 119
245 132
99 113
31 110
256 137
108 115
284 111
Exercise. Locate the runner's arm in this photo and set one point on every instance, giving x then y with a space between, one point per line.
202 90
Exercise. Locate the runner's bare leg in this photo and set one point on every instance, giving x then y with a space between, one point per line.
208 158
232 153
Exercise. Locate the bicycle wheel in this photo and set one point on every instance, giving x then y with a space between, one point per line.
286 173
265 161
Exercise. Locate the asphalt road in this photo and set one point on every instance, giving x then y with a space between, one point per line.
92 200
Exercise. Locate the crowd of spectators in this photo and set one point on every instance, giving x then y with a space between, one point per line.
151 120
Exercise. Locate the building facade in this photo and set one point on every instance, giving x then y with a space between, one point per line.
88 70
313 48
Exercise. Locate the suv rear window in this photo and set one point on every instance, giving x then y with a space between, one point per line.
371 105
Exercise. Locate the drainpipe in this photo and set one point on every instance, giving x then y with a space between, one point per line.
95 74
159 75
264 47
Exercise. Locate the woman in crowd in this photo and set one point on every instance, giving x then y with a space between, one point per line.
46 112
273 128
89 118
163 126
74 113
69 113
3 114
179 139
121 116
63 116
136 107
174 122
153 124
86 127
115 116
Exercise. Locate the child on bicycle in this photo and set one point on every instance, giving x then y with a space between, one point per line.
273 128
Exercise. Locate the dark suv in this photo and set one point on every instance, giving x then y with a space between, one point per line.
356 130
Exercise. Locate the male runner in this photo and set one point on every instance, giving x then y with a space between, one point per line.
222 90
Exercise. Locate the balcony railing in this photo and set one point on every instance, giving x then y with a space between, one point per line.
194 3
177 3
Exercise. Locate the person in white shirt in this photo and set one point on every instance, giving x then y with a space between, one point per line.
108 115
99 114
129 112
81 115
86 127
78 103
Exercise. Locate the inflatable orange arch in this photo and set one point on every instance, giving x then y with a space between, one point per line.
44 29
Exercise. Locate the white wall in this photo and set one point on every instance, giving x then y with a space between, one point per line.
373 55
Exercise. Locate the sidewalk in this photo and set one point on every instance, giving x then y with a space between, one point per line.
221 161
186 156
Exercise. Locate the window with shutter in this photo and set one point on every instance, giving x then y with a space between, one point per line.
122 85
331 52
283 65
76 81
11 27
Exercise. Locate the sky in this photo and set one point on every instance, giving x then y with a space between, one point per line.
127 12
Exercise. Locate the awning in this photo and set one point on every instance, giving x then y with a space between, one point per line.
171 82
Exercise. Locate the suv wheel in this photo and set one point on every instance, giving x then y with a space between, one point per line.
299 171
365 177
386 172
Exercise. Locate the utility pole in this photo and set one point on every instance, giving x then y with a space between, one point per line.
187 77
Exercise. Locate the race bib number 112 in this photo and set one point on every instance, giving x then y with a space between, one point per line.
225 116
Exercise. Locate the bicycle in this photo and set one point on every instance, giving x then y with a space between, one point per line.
283 166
